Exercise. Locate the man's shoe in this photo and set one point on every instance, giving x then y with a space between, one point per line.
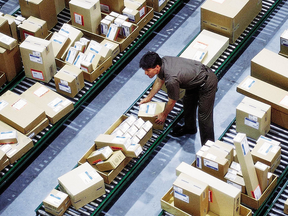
180 131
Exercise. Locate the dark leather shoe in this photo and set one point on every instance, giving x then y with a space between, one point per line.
181 131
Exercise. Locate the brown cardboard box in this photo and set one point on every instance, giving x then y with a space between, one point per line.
167 204
237 181
4 26
191 195
148 111
134 150
247 166
267 152
69 80
2 78
269 67
115 142
262 173
108 176
57 202
286 207
100 155
12 25
209 41
38 58
149 14
7 42
59 5
4 164
229 18
11 63
112 162
111 45
284 43
33 26
3 157
85 14
38 128
79 182
224 198
9 136
225 147
157 5
72 33
253 117
59 43
133 14
277 98
42 9
108 6
55 105
14 107
139 5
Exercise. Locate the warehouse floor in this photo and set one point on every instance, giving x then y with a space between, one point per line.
143 195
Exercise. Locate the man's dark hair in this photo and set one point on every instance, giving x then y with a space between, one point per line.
150 60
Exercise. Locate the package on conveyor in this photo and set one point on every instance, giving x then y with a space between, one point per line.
224 199
270 67
232 178
85 14
15 151
14 107
38 58
55 105
60 43
100 155
4 160
56 202
8 137
191 195
229 18
69 80
284 43
108 6
148 112
4 26
253 117
12 24
269 94
79 182
157 5
7 42
33 26
134 9
247 166
72 33
42 9
267 151
111 163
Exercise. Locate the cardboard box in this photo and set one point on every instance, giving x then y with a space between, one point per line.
42 9
148 111
3 157
112 162
4 164
72 33
108 6
85 14
69 80
38 128
57 202
99 155
247 165
286 207
149 14
12 25
55 105
267 152
190 195
108 176
225 147
59 43
253 117
115 142
139 5
38 58
157 5
79 182
59 5
4 26
224 198
229 18
8 137
14 107
134 150
232 178
284 43
33 26
262 173
111 45
209 41
275 97
269 67
11 63
7 42
2 78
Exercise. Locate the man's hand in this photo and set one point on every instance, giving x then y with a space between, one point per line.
161 117
144 100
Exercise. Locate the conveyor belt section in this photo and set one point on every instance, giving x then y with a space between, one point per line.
112 190
22 83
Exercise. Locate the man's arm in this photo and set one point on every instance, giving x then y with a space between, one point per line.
155 88
161 117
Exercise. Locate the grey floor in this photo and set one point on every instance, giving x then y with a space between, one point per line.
143 195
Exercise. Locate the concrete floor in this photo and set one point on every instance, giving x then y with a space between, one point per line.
143 195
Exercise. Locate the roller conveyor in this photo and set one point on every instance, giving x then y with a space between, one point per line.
20 83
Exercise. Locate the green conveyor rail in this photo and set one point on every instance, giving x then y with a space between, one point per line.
125 57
